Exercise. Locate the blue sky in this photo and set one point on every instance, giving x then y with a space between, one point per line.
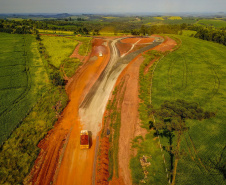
110 6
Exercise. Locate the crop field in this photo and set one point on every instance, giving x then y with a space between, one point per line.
22 79
159 18
175 18
196 73
170 20
58 48
56 32
212 22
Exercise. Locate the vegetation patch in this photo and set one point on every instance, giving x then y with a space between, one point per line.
19 152
195 73
175 18
159 18
86 46
112 123
212 22
58 48
23 79
70 65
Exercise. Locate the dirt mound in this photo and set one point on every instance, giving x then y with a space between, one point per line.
102 172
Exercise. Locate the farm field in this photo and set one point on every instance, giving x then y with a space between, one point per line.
58 48
212 22
196 73
56 32
22 79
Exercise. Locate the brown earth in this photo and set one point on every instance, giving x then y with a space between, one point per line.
68 126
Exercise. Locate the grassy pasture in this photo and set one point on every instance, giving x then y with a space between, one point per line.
212 22
22 79
58 48
196 73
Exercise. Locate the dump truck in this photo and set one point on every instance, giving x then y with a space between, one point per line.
84 139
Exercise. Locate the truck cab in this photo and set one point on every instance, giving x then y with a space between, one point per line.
84 139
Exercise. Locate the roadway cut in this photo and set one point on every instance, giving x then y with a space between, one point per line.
92 108
61 161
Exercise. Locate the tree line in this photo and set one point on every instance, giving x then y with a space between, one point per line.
87 27
211 34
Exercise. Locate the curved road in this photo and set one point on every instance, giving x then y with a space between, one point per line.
77 165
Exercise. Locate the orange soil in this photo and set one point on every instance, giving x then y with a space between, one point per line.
76 163
130 115
130 40
123 47
129 119
134 40
102 172
146 40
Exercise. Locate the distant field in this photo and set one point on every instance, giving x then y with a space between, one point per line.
159 18
110 17
15 19
22 79
212 22
180 21
170 20
196 73
58 48
175 18
56 32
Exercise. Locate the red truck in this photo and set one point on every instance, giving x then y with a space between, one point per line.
84 139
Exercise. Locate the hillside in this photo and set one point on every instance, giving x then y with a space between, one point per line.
196 73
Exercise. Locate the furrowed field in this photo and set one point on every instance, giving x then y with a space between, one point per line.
196 73
22 79
30 95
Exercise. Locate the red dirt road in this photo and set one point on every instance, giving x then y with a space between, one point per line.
69 126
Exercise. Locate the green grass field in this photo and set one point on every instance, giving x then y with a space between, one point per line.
22 79
212 22
196 73
86 45
58 48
